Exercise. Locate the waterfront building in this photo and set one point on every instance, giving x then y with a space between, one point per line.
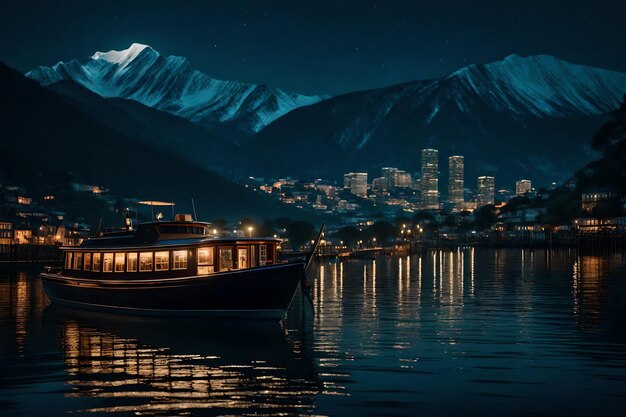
485 191
430 179
356 183
23 236
455 179
6 232
522 187
600 200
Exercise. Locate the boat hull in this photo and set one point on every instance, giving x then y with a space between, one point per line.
261 293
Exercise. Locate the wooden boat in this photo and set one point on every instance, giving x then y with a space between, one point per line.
176 268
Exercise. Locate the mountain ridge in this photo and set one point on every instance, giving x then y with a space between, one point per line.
508 126
172 84
43 144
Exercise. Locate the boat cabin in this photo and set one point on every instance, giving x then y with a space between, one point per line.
166 250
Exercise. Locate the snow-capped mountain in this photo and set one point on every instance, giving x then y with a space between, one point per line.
519 117
541 86
172 84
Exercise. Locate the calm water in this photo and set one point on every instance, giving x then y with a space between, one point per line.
478 332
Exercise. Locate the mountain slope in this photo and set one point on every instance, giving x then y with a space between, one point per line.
520 117
172 84
47 140
155 128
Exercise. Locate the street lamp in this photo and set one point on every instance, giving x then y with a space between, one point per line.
250 228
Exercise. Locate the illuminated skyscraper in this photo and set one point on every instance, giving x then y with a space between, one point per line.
523 186
402 179
389 173
455 180
485 191
356 182
430 179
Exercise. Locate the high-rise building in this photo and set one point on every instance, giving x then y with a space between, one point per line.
523 186
402 179
389 173
455 179
430 179
347 179
485 191
356 182
379 185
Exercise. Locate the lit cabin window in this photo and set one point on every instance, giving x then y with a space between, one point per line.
145 261
205 270
180 259
205 256
226 258
68 260
96 262
242 258
78 261
262 254
205 261
107 262
120 260
87 262
161 261
131 262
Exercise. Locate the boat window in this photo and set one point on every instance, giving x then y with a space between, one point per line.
180 259
120 260
131 262
226 258
205 256
262 254
78 261
207 269
96 262
68 260
145 261
107 262
161 261
87 262
242 258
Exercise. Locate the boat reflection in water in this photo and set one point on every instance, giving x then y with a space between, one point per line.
149 366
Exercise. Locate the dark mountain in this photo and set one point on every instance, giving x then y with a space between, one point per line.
155 128
520 117
609 171
47 140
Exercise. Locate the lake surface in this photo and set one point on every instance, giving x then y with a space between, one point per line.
473 331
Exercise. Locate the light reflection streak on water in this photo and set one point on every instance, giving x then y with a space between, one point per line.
171 382
400 286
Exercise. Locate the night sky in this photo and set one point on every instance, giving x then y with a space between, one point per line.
318 47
